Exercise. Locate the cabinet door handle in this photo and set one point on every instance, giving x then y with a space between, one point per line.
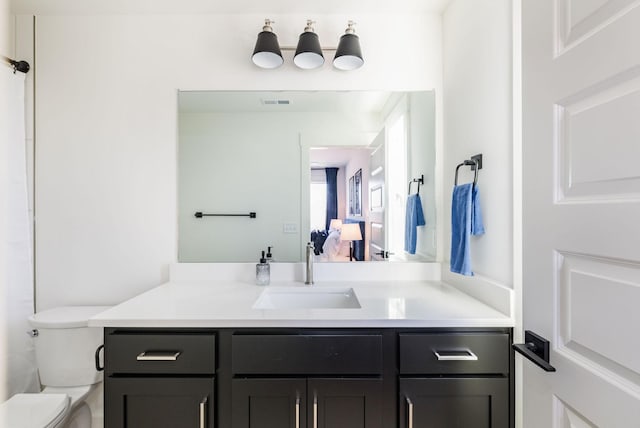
315 410
158 356
410 411
297 412
203 413
464 355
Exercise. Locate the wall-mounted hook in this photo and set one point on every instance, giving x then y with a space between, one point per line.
416 180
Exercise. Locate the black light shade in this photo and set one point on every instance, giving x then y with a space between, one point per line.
267 52
348 55
308 53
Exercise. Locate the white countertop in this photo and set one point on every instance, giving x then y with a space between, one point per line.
229 304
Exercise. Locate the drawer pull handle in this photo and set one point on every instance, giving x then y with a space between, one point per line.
410 407
315 410
158 356
465 355
203 413
297 412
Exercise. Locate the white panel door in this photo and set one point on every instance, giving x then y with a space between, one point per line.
377 199
581 150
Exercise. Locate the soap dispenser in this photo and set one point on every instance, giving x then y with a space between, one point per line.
263 271
269 255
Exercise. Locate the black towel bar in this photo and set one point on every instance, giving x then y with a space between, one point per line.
200 215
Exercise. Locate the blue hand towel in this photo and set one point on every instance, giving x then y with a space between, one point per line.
414 218
477 225
466 220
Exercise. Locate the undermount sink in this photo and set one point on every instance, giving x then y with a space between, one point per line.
307 298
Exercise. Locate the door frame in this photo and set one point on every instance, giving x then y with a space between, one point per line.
518 162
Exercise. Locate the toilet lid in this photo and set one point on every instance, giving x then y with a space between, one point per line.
33 410
65 316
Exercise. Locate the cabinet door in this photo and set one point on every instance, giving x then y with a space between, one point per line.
345 403
269 403
454 403
159 402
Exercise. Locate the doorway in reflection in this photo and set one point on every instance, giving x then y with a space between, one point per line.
337 179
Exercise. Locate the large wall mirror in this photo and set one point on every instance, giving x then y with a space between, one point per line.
280 169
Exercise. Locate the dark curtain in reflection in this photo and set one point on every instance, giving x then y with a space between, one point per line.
332 195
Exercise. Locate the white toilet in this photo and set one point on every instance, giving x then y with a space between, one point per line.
66 354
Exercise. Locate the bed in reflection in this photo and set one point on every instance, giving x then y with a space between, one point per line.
334 245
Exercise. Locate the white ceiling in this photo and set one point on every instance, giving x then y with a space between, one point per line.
268 7
299 101
334 157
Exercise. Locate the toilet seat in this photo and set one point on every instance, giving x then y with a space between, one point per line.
34 411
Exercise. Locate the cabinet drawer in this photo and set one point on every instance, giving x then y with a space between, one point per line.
145 353
459 353
307 355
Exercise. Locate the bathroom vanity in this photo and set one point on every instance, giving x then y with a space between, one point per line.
210 354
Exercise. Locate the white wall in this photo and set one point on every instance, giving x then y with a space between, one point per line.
106 129
477 119
6 29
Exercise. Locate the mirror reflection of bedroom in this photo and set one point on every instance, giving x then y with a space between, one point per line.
336 203
369 202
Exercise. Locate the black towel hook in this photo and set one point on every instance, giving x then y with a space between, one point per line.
476 163
417 180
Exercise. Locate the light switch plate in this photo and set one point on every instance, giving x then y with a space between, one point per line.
290 228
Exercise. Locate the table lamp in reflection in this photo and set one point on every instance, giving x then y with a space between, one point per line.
336 224
350 232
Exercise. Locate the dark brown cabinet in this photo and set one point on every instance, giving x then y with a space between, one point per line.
157 402
454 403
301 403
308 378
269 403
159 379
455 380
345 403
337 384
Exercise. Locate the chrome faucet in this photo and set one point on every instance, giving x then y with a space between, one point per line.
309 270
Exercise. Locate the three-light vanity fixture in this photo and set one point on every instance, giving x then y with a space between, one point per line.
308 53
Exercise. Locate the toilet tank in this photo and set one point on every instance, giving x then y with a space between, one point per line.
66 346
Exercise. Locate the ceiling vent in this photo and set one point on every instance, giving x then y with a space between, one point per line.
275 102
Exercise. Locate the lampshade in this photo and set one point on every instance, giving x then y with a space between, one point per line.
308 53
350 232
348 55
266 53
336 224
